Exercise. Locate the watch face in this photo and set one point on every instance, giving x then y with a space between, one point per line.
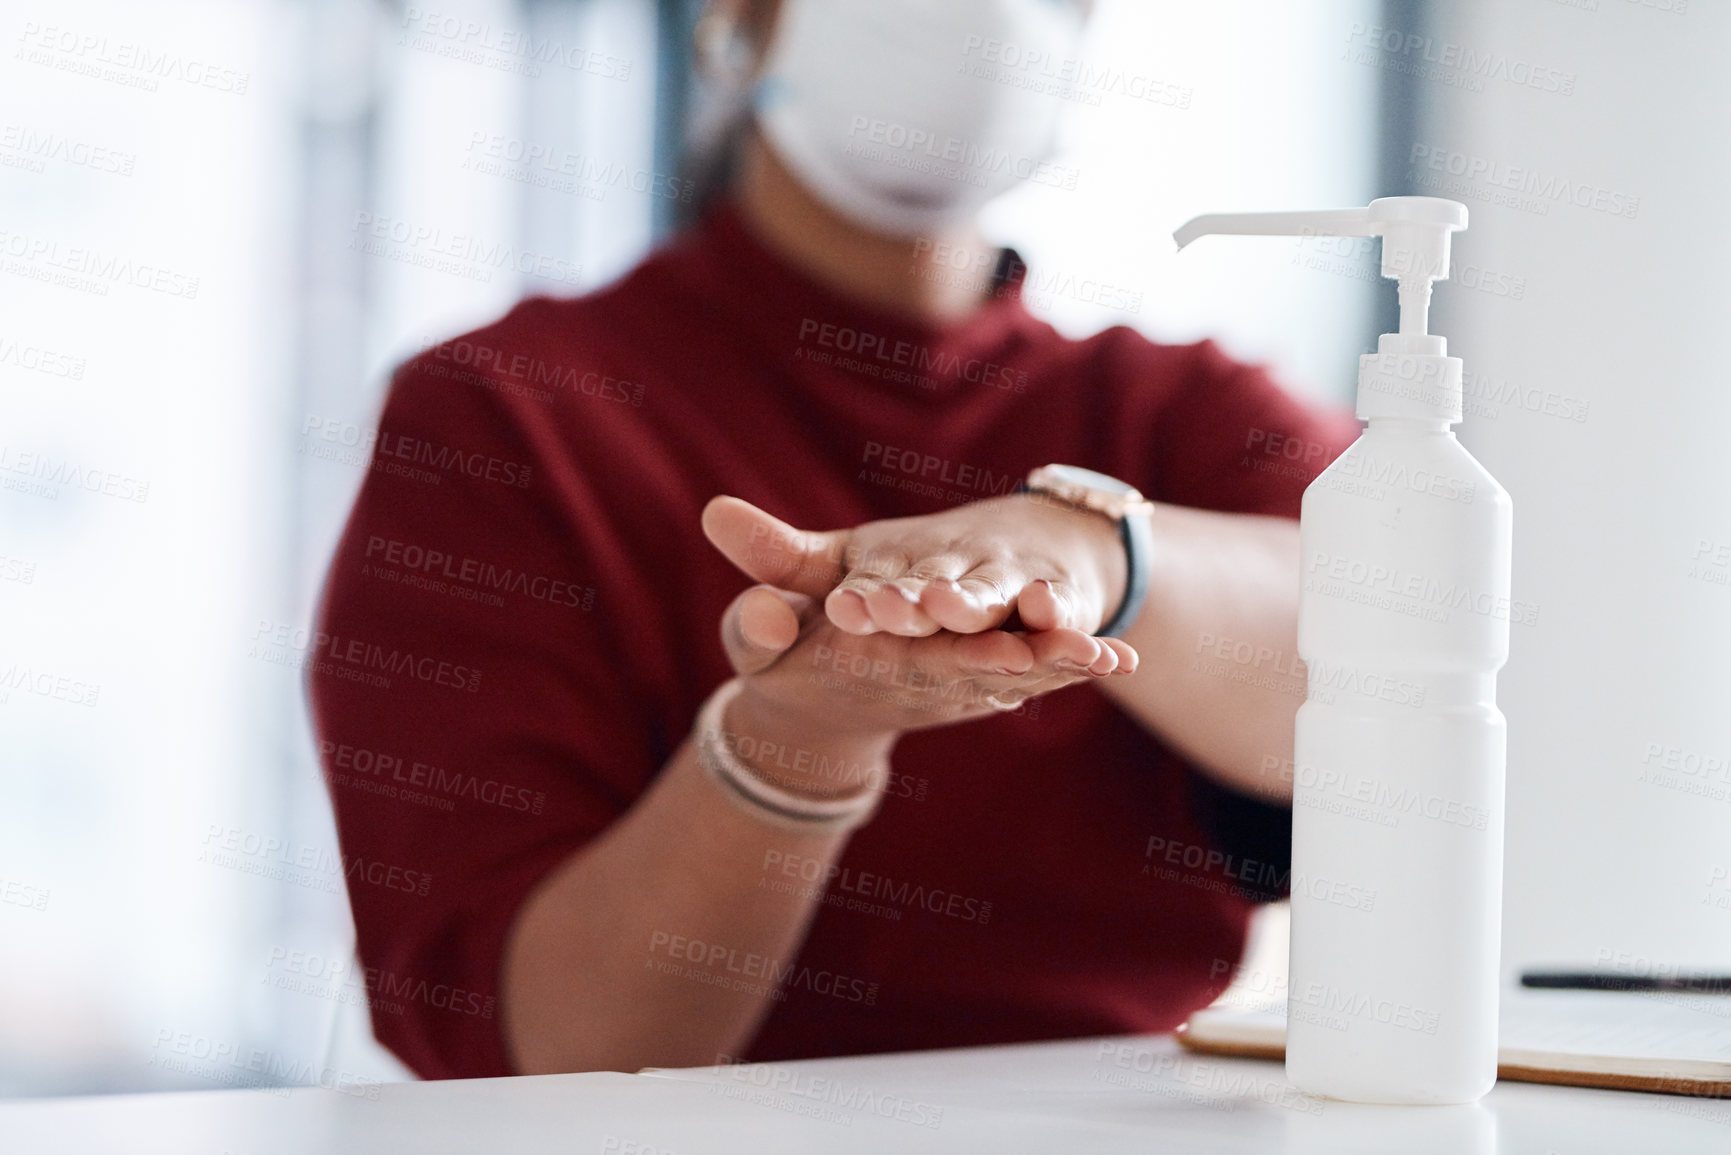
1088 479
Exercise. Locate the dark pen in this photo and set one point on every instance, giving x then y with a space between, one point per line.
1600 981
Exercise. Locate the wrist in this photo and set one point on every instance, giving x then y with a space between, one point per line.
1124 506
1093 537
797 753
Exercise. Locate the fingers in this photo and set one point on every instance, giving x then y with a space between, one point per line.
993 653
1010 667
886 595
760 625
980 599
936 593
768 550
890 606
1128 658
869 599
1076 652
914 683
1051 605
946 664
960 596
1065 649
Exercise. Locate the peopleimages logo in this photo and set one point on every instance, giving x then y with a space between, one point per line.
975 267
1670 766
1326 678
1066 77
39 360
32 149
1213 1085
268 855
42 475
1718 888
1269 451
47 684
1458 65
1337 791
861 348
505 370
1399 591
1319 1002
1487 397
387 449
123 62
919 149
1517 186
532 162
880 887
252 1068
393 776
378 983
456 37
16 569
353 658
1365 467
23 894
88 270
436 570
807 1095
462 254
763 974
929 467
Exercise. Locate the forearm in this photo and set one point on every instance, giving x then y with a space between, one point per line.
1221 584
599 970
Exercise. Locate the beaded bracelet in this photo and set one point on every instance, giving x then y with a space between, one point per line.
751 793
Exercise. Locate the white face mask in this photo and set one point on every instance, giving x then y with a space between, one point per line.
875 106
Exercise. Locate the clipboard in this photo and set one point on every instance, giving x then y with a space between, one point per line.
1661 1042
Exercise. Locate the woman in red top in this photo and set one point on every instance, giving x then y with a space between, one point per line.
888 831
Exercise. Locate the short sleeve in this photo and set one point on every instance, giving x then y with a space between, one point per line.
472 732
1230 439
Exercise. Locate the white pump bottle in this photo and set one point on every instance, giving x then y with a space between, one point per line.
1397 830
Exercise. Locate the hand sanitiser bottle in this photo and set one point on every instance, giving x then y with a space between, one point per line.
1397 828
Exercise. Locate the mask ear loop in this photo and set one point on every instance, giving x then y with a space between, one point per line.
724 55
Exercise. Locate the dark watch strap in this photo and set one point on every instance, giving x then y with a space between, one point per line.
1138 537
1138 557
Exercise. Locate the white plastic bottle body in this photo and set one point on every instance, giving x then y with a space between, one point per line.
1398 772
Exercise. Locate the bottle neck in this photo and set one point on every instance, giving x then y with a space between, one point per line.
1412 426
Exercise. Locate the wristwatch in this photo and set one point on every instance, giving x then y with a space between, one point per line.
1119 502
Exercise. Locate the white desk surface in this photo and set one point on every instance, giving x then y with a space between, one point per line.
1132 1095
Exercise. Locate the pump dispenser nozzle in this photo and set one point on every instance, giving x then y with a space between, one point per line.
1415 252
1414 231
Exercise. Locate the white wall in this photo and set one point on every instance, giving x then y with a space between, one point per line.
1250 106
1622 319
105 806
138 949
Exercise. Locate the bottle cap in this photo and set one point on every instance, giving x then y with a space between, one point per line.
1410 374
